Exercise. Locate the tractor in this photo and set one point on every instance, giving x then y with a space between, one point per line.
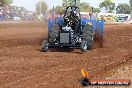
71 31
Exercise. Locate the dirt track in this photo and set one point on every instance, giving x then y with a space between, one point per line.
22 65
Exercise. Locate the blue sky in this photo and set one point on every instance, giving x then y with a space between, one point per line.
30 4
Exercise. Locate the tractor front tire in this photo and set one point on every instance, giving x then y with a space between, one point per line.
45 46
85 82
83 46
87 35
54 33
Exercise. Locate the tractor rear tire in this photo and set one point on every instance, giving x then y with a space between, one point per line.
87 35
54 33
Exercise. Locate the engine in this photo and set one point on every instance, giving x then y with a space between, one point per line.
68 36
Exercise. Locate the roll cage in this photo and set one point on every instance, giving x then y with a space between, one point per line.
72 9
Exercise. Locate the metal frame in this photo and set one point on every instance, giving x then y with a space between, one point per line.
72 9
64 45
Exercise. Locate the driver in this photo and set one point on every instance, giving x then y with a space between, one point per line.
72 21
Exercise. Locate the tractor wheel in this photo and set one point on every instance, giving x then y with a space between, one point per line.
54 33
83 46
85 82
87 35
45 46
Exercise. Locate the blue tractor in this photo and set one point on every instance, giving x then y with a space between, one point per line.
71 31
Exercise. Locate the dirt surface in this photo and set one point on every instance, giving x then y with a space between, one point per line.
23 65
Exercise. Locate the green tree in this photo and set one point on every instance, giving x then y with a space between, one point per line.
70 3
97 10
8 1
58 9
5 2
50 11
131 3
41 7
131 7
108 5
123 8
85 7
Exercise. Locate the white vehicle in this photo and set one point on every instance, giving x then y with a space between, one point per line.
16 18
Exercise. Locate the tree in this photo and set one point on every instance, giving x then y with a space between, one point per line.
70 3
5 2
41 7
97 10
85 7
8 2
108 5
50 11
131 7
131 3
123 8
58 9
